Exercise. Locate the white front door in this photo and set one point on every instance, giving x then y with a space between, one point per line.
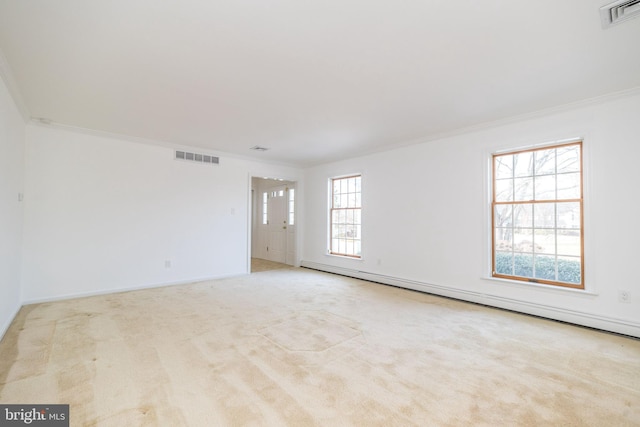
277 225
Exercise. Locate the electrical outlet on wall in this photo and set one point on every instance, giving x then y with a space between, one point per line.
624 296
167 264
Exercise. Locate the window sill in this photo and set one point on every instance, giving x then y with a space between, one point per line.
541 286
344 257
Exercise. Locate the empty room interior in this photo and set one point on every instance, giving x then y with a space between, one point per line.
320 213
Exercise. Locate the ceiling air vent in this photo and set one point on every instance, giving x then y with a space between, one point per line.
619 11
195 157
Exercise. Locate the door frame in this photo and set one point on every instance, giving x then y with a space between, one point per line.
254 198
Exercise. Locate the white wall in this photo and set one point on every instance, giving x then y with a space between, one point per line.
12 131
104 214
426 215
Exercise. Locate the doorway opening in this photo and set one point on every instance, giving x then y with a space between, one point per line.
274 224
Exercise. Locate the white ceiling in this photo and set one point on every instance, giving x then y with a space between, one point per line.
313 80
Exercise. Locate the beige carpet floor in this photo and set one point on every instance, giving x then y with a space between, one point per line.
295 347
259 265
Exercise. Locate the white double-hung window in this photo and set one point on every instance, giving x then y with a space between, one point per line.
537 215
345 216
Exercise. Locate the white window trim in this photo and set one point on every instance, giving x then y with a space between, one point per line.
328 253
590 264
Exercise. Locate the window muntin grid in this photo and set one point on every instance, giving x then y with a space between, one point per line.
265 208
537 210
292 206
346 216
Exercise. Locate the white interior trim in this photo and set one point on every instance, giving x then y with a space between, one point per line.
7 76
545 112
123 289
9 321
606 323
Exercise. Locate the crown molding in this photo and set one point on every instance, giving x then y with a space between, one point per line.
46 123
545 112
7 77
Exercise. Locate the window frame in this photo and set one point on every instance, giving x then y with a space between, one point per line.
335 251
291 206
580 200
265 208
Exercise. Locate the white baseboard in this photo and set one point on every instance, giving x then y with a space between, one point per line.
606 323
8 322
123 289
